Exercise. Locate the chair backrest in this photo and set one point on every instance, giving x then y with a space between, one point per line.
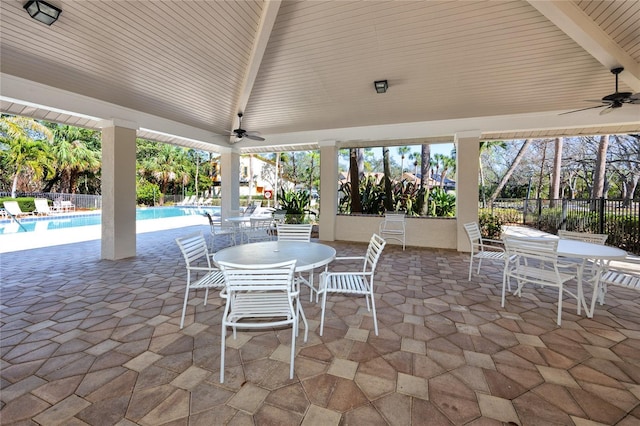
13 208
525 249
42 205
294 232
276 277
583 236
374 250
394 221
194 249
249 210
473 232
260 223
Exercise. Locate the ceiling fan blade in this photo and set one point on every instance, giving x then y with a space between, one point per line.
582 109
634 99
607 110
253 137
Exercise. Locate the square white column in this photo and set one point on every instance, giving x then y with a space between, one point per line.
467 169
118 192
328 190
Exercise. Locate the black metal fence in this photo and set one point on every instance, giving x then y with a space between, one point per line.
618 218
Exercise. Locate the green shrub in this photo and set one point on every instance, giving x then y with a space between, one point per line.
490 225
147 193
296 204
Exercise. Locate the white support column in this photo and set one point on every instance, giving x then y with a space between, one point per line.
230 185
328 190
118 190
467 154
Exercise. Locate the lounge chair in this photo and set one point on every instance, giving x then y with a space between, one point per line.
62 206
13 208
42 207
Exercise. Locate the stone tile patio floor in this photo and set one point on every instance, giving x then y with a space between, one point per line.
89 341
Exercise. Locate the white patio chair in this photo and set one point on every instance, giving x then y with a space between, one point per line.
535 261
13 208
299 232
217 228
42 207
482 248
200 270
393 227
260 296
583 236
355 282
258 230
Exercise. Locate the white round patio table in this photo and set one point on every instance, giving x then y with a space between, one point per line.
308 255
601 254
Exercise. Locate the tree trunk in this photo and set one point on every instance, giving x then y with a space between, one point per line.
555 174
425 160
250 177
509 172
544 158
388 202
354 178
275 190
601 167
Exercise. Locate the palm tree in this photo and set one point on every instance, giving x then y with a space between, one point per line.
73 157
170 164
24 153
415 156
448 163
402 150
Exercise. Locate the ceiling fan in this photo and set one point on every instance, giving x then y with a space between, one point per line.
614 100
241 133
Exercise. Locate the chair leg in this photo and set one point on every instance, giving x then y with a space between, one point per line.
504 285
470 266
324 303
184 307
293 350
222 350
206 296
375 318
304 320
560 305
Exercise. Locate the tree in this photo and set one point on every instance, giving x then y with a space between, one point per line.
355 159
402 150
169 165
599 173
448 163
555 174
509 172
26 151
388 200
416 157
72 155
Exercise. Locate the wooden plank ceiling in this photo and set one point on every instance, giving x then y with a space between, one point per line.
190 63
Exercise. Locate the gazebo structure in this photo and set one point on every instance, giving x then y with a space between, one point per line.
303 74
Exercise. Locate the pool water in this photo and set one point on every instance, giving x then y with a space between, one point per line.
61 221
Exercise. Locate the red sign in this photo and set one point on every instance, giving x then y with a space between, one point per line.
268 193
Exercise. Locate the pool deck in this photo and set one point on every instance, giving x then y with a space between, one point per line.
38 239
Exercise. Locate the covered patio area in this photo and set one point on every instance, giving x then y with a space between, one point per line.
91 341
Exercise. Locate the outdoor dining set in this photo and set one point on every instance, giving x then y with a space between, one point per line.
260 275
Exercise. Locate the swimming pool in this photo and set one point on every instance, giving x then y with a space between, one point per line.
61 221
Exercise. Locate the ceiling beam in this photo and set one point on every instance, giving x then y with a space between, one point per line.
569 18
268 19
